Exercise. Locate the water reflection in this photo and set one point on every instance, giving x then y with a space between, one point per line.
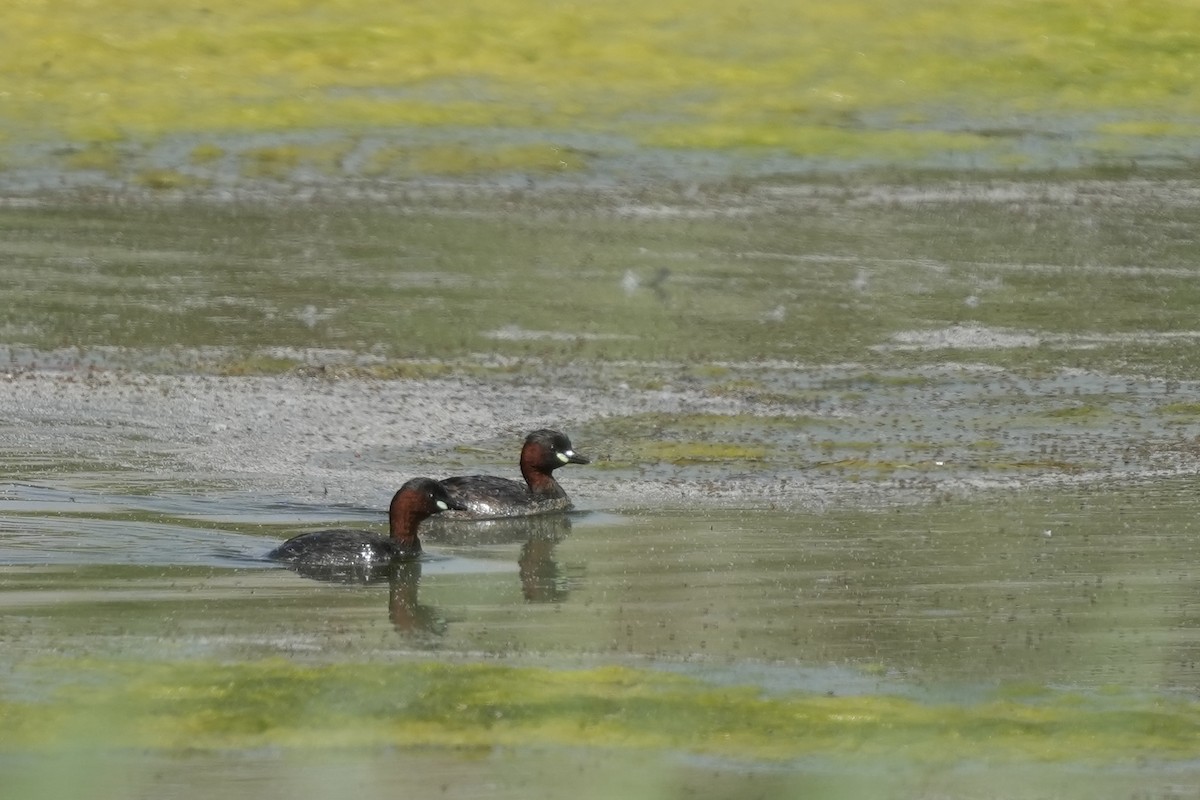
545 527
357 573
543 578
407 614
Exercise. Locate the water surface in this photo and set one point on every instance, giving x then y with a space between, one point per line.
891 493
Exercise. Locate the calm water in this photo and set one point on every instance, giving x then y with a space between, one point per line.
933 534
1075 588
1080 592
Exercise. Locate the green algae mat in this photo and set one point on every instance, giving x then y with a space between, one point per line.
167 95
175 707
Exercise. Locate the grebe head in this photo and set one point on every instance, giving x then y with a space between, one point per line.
546 450
417 500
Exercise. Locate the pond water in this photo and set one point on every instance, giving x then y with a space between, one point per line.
1077 605
875 511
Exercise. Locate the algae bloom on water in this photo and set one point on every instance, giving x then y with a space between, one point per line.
277 94
186 706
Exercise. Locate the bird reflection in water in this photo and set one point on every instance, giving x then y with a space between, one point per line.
543 579
407 614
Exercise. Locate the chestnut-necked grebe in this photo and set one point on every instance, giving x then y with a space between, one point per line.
417 499
490 497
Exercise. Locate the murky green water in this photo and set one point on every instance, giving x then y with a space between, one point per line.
1082 274
1074 608
892 497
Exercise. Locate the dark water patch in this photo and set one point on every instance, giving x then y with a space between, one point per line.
869 263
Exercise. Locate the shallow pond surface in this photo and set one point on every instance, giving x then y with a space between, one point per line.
892 493
1077 589
913 649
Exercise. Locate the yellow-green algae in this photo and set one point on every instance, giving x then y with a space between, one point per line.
696 423
1080 413
863 78
1181 409
465 159
166 179
695 438
196 706
701 452
256 364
